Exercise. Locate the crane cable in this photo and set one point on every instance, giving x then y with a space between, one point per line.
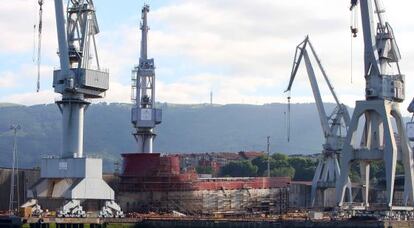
34 43
39 44
352 59
354 30
288 118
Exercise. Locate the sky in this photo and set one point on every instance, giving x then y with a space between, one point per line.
242 50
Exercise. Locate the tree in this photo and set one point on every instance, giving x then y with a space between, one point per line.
279 156
282 172
239 169
279 166
377 171
204 170
261 164
304 168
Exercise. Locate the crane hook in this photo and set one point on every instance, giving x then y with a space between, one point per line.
354 20
354 31
353 4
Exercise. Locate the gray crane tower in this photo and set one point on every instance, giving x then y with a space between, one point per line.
384 92
144 115
73 176
327 171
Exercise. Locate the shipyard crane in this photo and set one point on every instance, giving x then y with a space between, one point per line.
327 171
144 115
74 176
383 93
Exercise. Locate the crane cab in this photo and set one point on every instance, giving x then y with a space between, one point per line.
410 130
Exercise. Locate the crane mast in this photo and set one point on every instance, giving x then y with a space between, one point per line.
144 115
327 171
77 79
74 176
384 91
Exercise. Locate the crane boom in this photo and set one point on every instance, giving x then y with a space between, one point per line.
62 37
328 82
296 62
302 53
316 94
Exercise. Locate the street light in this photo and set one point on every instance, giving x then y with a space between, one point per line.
268 156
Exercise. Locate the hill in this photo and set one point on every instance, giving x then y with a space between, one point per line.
185 128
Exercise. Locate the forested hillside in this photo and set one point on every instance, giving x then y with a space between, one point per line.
185 128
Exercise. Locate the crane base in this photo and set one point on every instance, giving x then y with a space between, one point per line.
71 178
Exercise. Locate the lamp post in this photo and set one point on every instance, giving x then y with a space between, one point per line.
268 156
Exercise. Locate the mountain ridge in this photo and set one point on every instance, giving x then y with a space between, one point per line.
192 128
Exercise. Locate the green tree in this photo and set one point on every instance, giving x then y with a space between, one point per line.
239 169
261 164
280 167
279 156
304 168
283 172
377 169
204 170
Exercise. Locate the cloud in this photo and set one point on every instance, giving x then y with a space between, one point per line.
242 50
31 98
118 93
16 21
7 79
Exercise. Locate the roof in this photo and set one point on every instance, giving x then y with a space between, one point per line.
250 154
